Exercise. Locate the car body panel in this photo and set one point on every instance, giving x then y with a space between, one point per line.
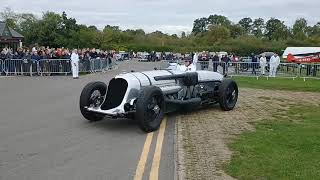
138 80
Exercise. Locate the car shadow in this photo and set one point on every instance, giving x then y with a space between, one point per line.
117 125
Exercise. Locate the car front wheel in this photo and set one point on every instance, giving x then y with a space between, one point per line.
92 95
150 108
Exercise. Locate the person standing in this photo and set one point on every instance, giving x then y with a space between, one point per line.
254 61
189 66
26 63
75 64
274 63
224 63
195 59
215 61
263 64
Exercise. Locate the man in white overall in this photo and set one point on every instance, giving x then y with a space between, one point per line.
75 64
263 64
274 63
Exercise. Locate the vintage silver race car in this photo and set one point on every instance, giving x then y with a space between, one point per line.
147 96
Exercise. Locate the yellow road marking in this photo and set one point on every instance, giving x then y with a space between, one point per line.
154 173
143 157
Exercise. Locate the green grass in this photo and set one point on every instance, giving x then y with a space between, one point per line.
286 148
279 83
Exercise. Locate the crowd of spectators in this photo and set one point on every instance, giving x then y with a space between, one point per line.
38 53
42 58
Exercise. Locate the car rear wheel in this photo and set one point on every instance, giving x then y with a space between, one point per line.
228 94
150 108
92 95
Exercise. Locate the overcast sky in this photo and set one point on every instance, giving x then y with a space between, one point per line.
169 16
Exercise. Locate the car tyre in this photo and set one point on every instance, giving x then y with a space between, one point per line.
150 107
228 94
88 99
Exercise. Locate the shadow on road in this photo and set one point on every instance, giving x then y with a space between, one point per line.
117 125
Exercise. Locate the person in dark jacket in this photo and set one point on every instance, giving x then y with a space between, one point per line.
86 62
93 54
215 61
65 61
224 61
26 63
35 58
2 58
18 63
254 62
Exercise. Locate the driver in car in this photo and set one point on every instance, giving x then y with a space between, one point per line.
188 66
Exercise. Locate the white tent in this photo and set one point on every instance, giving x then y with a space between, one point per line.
300 51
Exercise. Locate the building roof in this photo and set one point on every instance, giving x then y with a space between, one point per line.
8 31
300 51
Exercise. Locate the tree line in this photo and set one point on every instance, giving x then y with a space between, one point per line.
212 33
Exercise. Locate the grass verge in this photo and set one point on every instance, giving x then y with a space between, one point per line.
312 85
286 146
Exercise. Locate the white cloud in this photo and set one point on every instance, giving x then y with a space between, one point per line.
169 16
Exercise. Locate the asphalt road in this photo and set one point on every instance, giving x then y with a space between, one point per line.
43 135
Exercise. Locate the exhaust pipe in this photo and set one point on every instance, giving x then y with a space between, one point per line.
192 101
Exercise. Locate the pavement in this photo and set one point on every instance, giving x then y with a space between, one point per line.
43 135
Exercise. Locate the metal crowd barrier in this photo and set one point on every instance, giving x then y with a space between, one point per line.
203 65
309 70
54 66
283 70
1 67
20 67
95 65
246 69
220 67
256 69
50 66
287 70
85 66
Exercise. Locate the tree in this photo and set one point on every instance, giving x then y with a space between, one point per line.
68 28
217 34
175 36
10 17
183 34
29 27
49 30
315 30
236 31
140 32
200 25
218 20
300 28
276 30
246 24
258 27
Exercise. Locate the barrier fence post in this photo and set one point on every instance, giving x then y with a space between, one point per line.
1 67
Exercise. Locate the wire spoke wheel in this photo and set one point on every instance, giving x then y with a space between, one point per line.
96 99
154 108
150 108
92 96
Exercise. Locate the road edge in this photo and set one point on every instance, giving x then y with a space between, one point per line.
178 155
